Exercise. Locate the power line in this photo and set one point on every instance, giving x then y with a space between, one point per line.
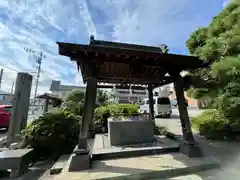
9 68
13 82
38 56
5 67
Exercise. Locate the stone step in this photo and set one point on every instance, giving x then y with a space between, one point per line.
103 150
124 153
59 164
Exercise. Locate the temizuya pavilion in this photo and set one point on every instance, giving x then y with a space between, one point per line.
125 64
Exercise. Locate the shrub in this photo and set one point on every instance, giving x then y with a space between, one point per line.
213 125
52 134
56 102
127 109
204 117
102 114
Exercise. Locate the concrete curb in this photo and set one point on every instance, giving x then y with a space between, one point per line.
59 164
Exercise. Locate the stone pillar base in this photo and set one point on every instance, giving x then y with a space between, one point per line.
190 150
80 160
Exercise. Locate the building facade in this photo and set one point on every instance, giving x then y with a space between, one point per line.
130 95
5 98
168 90
62 91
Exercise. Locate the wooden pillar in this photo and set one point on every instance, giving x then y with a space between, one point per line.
88 110
188 146
20 106
80 160
151 103
183 112
45 106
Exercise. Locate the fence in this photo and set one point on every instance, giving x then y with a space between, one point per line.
35 111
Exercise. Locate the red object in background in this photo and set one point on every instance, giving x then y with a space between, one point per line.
5 115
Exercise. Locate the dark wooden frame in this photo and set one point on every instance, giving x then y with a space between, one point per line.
124 64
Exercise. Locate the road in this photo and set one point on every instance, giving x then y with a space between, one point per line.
174 121
191 112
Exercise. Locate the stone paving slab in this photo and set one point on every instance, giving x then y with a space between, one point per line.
215 174
185 177
145 167
39 171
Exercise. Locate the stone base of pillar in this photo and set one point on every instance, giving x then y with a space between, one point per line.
190 150
80 160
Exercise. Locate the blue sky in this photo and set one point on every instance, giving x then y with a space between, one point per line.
38 24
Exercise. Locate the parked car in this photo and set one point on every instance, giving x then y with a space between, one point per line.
5 115
174 102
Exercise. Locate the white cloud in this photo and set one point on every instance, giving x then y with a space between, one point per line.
85 14
38 24
225 2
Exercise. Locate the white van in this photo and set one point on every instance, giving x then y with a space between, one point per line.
162 106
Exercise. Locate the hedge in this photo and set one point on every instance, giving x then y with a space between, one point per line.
102 114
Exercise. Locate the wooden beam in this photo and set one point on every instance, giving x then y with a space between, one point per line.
101 43
127 81
122 87
161 58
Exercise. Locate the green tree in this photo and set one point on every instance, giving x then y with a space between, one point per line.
219 43
102 97
75 100
220 39
227 72
76 96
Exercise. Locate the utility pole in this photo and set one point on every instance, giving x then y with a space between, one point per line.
38 56
1 75
12 87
